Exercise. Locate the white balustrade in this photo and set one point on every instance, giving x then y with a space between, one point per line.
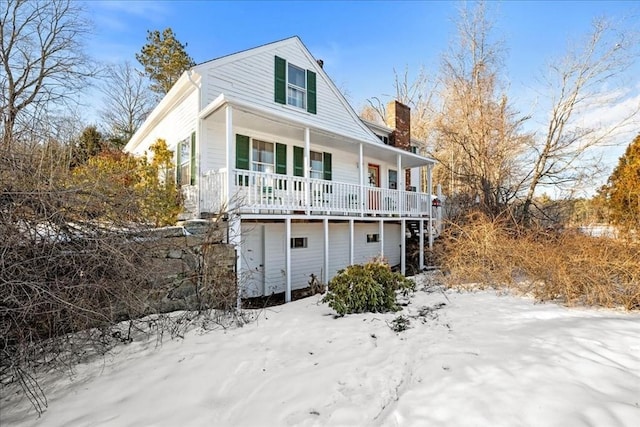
258 192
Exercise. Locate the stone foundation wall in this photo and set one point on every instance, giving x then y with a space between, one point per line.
190 268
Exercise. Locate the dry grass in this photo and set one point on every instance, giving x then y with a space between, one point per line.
561 266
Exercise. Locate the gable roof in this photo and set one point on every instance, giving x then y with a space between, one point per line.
354 129
365 133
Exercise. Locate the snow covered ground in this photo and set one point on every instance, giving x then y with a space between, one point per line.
480 360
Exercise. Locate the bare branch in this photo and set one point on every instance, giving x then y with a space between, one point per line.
42 58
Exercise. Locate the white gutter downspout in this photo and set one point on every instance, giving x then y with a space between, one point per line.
198 142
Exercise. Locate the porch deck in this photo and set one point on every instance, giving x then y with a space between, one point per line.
259 192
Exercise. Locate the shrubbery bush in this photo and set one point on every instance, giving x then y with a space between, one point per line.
566 266
366 288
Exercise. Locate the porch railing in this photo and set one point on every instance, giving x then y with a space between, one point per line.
258 192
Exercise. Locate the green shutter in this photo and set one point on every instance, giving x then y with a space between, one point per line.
242 152
193 158
326 163
298 161
311 92
280 80
281 159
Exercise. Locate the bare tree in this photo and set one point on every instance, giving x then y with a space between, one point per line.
478 134
418 93
126 102
43 60
588 76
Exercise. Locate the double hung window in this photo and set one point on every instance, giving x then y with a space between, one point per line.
296 87
263 156
185 161
317 167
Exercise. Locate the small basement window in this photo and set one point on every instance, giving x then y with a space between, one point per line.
298 242
373 238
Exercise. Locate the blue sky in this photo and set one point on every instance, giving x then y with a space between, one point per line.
361 42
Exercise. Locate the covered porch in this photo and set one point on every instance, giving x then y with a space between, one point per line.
260 192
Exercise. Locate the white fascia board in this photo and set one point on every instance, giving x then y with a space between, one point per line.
224 59
177 93
212 107
417 157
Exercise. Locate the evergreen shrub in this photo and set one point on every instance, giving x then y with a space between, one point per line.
371 287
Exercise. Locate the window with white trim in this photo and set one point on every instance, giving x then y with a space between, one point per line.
384 139
317 165
299 242
373 238
263 158
184 159
296 86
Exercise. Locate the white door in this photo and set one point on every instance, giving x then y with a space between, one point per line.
252 278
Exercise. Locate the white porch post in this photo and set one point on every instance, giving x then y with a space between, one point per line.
233 219
381 231
351 240
230 157
325 279
439 210
198 170
287 246
306 167
403 245
431 226
421 263
400 183
234 224
362 179
429 184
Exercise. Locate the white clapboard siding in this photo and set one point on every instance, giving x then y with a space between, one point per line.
213 152
213 146
338 247
249 76
309 260
263 253
177 125
363 251
251 277
392 236
275 269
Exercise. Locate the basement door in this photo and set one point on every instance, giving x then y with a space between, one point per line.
253 260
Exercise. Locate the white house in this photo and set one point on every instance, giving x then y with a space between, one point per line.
305 185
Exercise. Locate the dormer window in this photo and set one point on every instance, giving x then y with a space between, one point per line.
384 139
295 86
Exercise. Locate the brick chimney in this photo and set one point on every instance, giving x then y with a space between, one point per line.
399 118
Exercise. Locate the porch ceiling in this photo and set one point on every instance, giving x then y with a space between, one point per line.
277 126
